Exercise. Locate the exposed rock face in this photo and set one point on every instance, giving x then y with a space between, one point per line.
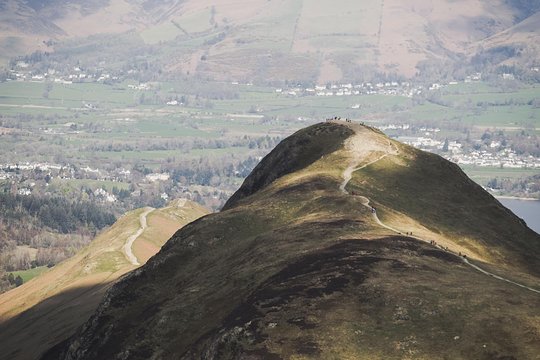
295 267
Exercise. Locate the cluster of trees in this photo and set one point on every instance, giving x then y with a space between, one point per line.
51 248
523 142
56 213
15 280
55 226
211 172
19 259
9 281
489 62
526 186
185 145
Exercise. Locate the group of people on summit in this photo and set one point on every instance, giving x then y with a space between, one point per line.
337 118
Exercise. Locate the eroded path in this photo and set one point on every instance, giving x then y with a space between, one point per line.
347 176
130 240
499 277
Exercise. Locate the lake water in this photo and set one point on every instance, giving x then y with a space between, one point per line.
528 210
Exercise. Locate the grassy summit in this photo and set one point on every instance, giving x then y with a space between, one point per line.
297 266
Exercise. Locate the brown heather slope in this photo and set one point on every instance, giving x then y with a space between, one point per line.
282 39
296 268
48 309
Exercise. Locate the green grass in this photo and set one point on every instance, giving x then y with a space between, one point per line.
110 262
159 122
482 175
170 129
29 274
471 88
437 195
66 96
77 184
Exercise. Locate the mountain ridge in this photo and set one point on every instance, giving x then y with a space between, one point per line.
300 268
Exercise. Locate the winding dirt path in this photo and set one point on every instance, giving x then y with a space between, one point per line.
499 277
347 176
130 240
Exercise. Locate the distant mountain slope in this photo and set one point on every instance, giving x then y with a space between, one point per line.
515 44
301 267
279 39
47 309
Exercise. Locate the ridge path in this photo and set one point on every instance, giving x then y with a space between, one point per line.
347 176
130 240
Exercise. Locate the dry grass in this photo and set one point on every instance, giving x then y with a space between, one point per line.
295 268
47 309
332 39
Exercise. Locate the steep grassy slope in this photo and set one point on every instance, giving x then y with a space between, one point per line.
294 153
296 268
438 195
49 308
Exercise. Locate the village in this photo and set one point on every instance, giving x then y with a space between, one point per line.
495 154
24 71
387 88
27 178
33 178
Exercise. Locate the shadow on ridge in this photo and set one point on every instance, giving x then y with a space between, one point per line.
32 332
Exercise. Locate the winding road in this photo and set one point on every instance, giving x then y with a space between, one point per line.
130 240
347 176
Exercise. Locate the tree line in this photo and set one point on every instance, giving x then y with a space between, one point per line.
56 213
55 226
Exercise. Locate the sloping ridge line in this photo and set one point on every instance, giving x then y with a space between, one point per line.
347 176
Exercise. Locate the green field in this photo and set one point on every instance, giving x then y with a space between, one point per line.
101 125
65 95
476 104
77 184
28 275
483 174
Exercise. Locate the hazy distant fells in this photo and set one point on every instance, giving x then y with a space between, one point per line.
280 39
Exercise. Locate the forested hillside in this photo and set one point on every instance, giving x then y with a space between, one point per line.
42 231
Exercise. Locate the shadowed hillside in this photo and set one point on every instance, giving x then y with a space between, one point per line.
302 267
46 310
